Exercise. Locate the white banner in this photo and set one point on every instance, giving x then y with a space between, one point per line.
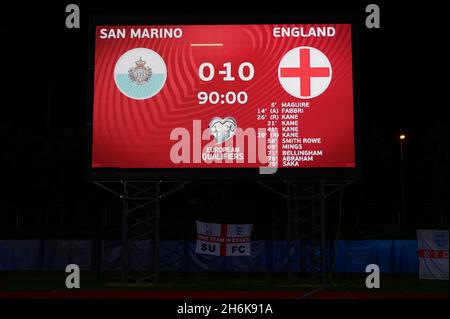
223 239
433 254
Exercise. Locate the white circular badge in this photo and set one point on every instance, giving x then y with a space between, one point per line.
140 73
304 72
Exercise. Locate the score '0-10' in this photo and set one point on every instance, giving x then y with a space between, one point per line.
206 72
227 71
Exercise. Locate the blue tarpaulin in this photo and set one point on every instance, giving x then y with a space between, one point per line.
393 256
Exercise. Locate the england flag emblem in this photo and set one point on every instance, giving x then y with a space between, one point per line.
304 72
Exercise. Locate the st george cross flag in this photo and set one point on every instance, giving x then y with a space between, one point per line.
223 239
433 254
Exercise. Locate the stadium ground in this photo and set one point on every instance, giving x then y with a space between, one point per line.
218 286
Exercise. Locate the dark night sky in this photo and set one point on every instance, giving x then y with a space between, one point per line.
404 81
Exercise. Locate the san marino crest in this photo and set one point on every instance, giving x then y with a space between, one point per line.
140 73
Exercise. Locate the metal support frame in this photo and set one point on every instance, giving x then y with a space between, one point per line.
305 223
141 215
305 227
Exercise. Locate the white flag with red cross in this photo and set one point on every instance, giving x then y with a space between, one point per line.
304 72
223 239
433 254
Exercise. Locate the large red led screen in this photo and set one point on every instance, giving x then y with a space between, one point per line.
223 96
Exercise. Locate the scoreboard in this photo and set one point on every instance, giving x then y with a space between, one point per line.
223 96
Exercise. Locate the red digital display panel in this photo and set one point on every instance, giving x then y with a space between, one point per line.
223 96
